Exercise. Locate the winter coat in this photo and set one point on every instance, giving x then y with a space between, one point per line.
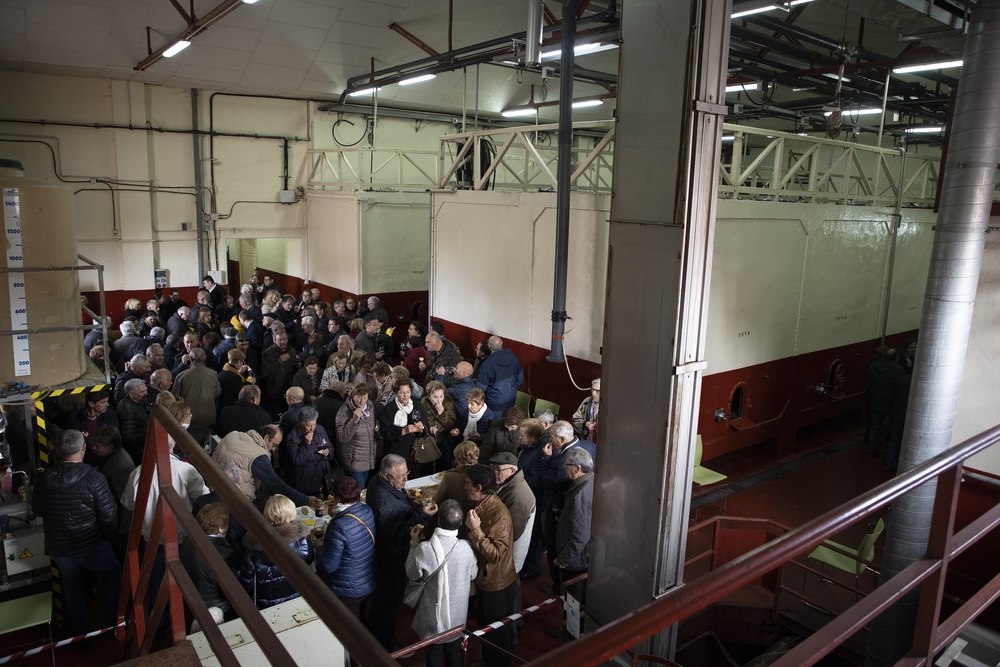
199 386
484 423
395 441
78 420
529 461
573 529
498 439
582 416
457 392
277 374
500 376
555 480
356 442
202 576
261 578
231 384
302 380
394 517
881 384
902 398
493 541
412 363
328 405
134 419
242 449
452 487
516 495
79 510
448 356
116 468
460 569
244 416
347 560
310 466
445 422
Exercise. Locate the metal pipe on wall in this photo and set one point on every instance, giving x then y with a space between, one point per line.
952 281
557 353
897 220
533 36
199 209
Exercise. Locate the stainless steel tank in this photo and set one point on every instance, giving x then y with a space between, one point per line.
39 216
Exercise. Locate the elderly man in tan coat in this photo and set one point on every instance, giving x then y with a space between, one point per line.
199 386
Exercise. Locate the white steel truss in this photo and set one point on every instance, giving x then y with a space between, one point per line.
366 168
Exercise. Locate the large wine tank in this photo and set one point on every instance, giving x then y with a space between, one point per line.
39 232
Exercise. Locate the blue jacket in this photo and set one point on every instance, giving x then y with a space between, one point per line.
394 517
530 461
347 561
500 376
458 392
261 578
555 480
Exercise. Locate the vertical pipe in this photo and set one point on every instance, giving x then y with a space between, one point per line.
952 281
897 220
885 100
477 98
566 66
533 36
199 210
104 324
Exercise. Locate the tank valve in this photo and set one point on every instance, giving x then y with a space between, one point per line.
821 389
719 415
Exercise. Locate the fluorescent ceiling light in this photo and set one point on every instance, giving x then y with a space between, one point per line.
178 46
579 50
587 103
855 112
366 91
755 10
925 129
793 2
831 75
524 111
417 79
740 87
909 69
249 2
729 137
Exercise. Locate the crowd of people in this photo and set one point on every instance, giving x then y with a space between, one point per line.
305 404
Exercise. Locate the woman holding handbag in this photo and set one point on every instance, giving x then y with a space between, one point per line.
346 563
442 421
402 422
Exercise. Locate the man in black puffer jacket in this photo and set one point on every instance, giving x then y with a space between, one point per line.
81 518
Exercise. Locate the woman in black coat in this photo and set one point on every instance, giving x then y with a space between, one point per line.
261 578
402 422
311 451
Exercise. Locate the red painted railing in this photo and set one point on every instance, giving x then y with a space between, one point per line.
931 570
177 589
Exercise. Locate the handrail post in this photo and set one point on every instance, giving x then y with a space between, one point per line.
938 548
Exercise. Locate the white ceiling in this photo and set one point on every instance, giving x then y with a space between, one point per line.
282 47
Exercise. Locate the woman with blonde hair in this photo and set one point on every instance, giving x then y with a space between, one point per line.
133 308
269 302
261 578
180 410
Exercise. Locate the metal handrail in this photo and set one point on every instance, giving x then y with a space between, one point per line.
177 587
686 600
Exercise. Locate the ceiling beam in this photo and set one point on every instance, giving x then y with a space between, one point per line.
413 39
194 29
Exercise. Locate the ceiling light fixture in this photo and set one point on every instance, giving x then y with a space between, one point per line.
729 137
178 46
835 77
579 50
925 129
754 10
366 91
855 112
910 69
798 2
740 87
587 103
523 111
417 79
250 2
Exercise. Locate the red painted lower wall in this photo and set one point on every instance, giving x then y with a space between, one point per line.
968 573
780 396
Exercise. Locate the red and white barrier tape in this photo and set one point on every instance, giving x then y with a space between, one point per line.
54 645
504 621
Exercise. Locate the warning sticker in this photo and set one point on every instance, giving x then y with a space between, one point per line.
26 554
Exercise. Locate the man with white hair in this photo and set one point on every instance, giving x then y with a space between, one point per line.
375 309
585 417
572 554
178 322
500 376
134 418
138 368
128 338
562 441
199 386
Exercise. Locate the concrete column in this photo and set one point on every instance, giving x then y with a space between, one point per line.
672 74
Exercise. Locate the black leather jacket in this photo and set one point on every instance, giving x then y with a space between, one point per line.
79 510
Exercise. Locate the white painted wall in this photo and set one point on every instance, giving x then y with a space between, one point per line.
147 233
977 401
283 255
492 255
395 241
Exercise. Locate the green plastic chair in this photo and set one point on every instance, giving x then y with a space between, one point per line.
524 402
703 476
852 564
542 404
27 612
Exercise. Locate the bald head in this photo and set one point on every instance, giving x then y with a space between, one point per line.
495 343
197 356
463 370
294 395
